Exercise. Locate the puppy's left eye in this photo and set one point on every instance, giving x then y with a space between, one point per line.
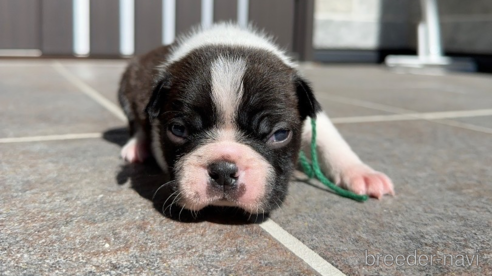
177 132
280 137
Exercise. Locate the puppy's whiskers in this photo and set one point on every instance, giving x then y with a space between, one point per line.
256 214
175 200
194 214
179 216
167 183
170 196
250 214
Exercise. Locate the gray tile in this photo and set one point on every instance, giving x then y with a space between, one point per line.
336 109
36 100
332 107
405 91
479 82
483 121
104 76
443 203
419 99
363 77
63 212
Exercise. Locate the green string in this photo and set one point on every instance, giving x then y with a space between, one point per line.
313 170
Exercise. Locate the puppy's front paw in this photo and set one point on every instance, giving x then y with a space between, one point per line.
362 179
135 151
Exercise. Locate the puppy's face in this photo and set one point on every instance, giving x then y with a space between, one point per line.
228 124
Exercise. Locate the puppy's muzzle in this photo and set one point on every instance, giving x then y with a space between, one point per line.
223 175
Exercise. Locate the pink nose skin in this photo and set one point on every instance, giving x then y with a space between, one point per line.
206 174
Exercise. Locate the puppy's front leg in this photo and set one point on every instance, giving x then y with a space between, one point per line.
340 163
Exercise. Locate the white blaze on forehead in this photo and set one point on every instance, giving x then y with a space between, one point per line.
226 34
227 86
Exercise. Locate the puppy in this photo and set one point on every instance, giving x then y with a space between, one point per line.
225 112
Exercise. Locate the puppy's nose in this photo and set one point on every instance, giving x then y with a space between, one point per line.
223 174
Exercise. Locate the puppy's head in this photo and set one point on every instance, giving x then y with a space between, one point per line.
227 125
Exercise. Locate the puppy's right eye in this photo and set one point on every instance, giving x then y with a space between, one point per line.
177 132
280 138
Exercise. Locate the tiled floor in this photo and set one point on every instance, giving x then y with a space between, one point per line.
69 205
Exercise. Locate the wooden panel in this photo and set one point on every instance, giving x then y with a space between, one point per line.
148 25
276 17
188 14
57 27
225 10
303 29
105 29
19 24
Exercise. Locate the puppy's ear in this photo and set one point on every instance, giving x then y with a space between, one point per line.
307 103
154 106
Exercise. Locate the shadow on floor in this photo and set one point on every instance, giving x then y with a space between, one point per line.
149 181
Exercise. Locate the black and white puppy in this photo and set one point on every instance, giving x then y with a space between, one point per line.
224 112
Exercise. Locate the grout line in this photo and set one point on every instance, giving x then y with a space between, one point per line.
398 117
366 104
407 115
414 116
465 126
299 249
50 138
89 91
376 118
453 114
